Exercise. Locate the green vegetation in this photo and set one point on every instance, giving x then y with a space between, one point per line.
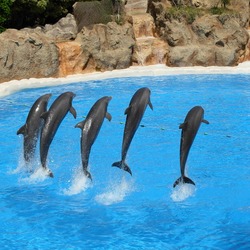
5 11
184 13
189 13
31 13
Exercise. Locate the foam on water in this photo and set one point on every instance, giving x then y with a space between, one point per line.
116 191
79 183
39 175
25 168
182 192
21 167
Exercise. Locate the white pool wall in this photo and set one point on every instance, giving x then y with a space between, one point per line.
10 87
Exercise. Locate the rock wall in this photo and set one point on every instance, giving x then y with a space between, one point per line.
208 40
147 36
25 55
98 48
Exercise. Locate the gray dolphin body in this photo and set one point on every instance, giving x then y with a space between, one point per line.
53 118
134 112
90 129
189 128
32 127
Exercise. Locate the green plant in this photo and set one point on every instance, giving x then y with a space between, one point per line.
216 11
183 12
5 12
224 12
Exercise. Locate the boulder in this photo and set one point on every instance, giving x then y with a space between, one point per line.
70 58
143 25
65 29
150 51
94 12
106 47
133 7
208 40
197 55
26 55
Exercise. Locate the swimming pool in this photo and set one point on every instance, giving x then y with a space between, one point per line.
118 211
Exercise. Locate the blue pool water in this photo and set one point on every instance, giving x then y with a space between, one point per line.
118 211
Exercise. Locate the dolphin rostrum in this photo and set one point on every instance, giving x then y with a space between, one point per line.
90 129
134 112
32 127
189 127
53 118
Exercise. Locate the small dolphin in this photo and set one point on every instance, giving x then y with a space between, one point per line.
90 129
134 112
32 127
189 128
53 118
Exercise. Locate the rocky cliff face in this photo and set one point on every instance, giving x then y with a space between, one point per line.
26 54
207 39
148 35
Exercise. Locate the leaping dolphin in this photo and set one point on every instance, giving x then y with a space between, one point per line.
32 127
189 127
53 118
134 112
90 129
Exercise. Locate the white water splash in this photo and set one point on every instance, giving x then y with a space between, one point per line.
116 192
182 192
79 183
20 168
39 175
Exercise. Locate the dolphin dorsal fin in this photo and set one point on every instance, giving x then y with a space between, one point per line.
205 121
183 125
108 116
80 124
22 130
44 115
128 110
150 104
72 111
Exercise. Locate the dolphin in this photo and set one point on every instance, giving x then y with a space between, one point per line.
53 118
134 112
189 127
90 129
30 130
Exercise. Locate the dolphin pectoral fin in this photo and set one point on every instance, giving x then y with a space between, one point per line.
150 105
183 126
183 179
205 121
80 124
122 165
22 130
108 116
44 115
72 111
128 110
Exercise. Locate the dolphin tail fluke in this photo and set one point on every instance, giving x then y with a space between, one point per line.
87 174
183 179
49 173
122 165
